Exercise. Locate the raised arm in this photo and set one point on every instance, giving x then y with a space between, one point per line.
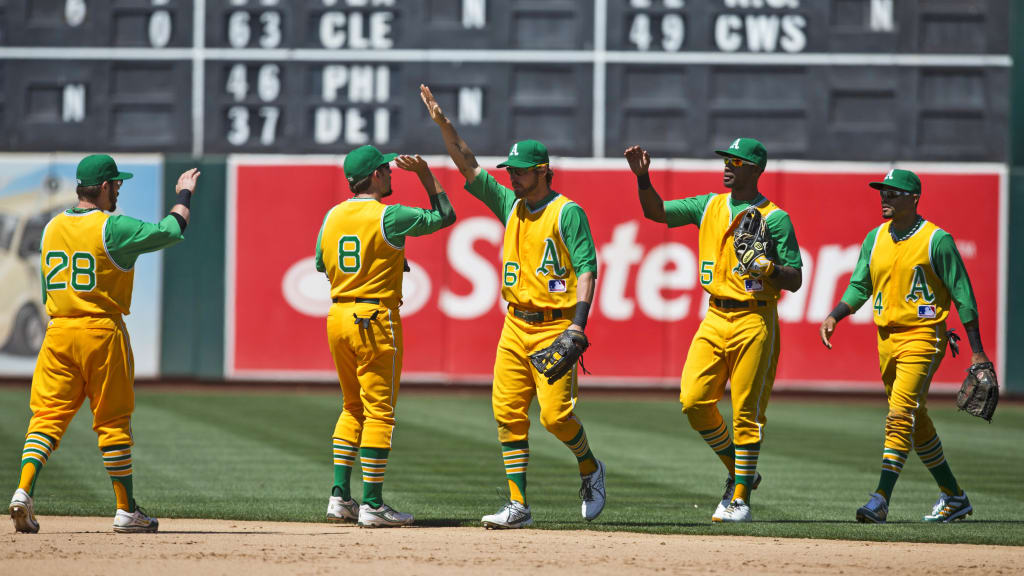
460 153
640 162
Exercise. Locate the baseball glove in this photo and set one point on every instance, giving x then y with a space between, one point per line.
979 393
750 240
558 359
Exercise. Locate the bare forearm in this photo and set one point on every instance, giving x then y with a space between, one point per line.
430 183
459 151
652 204
585 287
788 278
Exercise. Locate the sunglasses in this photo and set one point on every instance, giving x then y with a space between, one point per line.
736 162
520 171
890 194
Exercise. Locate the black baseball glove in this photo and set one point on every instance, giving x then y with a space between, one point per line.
750 240
979 393
558 359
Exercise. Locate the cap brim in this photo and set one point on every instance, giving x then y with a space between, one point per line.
880 185
123 176
877 185
516 164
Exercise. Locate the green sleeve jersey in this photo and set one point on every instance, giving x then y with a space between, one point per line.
950 267
686 210
860 289
127 238
318 260
497 197
576 234
401 221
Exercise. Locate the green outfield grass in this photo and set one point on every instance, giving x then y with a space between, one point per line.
266 455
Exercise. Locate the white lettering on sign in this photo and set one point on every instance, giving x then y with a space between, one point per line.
364 84
667 267
774 4
881 16
471 106
618 256
356 30
74 12
474 14
760 32
160 28
73 103
381 126
350 125
326 125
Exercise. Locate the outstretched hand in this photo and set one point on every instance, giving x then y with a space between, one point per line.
639 160
436 114
187 180
828 328
414 164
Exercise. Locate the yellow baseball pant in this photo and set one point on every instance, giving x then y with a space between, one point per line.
84 357
368 357
908 358
738 346
516 382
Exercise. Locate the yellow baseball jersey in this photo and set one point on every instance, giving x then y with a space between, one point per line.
537 271
907 290
358 259
79 276
718 257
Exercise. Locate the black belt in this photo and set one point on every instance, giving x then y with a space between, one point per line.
538 315
356 300
737 304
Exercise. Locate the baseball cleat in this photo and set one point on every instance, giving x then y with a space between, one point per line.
592 493
341 510
383 517
737 511
730 488
950 508
875 511
134 522
512 515
21 513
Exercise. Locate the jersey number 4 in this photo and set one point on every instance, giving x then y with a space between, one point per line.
83 270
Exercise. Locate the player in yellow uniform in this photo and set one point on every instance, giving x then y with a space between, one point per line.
88 260
738 340
361 248
911 271
548 271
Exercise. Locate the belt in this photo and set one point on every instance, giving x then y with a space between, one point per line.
539 315
737 304
347 300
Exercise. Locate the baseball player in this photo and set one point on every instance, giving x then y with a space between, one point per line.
738 340
910 271
88 260
361 248
548 271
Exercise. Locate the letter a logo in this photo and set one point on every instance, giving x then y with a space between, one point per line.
889 175
515 150
735 144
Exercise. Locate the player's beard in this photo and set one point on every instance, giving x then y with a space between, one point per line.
523 192
387 192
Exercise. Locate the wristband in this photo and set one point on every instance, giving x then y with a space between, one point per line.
643 181
184 197
582 312
842 310
974 338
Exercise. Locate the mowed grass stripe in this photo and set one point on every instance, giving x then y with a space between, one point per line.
266 455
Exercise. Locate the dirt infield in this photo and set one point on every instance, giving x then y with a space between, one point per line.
80 545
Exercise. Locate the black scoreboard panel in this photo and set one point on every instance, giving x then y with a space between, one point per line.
816 79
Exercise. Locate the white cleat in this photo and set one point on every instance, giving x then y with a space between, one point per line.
875 511
383 517
341 510
737 511
512 515
134 522
730 489
21 513
593 494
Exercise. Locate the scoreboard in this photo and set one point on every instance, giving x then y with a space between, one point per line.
815 79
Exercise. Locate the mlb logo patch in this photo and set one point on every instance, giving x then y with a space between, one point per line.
926 311
556 285
752 285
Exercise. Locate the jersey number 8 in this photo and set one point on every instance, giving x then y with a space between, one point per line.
83 270
349 254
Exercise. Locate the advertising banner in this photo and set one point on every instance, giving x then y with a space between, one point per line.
35 187
649 299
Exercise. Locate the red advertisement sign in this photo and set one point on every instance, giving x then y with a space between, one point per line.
649 301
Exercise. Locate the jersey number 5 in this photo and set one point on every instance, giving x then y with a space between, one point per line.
83 270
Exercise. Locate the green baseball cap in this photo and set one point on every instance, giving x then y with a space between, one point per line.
362 161
747 149
96 169
900 180
526 154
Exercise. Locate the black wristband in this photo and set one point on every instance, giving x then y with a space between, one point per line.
974 338
184 197
643 181
582 313
842 310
